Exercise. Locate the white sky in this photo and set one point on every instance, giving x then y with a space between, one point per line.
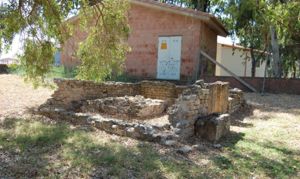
14 50
16 47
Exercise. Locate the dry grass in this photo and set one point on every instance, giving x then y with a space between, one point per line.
264 143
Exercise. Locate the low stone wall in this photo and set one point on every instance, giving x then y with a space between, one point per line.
70 92
186 105
160 90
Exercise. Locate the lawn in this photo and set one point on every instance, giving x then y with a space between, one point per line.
263 143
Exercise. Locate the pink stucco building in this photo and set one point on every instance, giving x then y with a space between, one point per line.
166 41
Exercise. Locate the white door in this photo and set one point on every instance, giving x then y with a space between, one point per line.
169 58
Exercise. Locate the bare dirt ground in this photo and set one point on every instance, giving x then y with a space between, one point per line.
16 97
264 143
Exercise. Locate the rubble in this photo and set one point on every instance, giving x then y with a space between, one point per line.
128 107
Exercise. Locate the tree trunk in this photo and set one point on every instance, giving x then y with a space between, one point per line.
276 56
203 5
253 63
298 66
294 70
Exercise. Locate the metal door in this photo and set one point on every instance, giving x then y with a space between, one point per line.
169 58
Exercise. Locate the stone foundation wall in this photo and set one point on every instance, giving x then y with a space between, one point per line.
235 100
197 101
70 92
160 90
192 110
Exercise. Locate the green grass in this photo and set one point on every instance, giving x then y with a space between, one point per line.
63 72
267 149
79 152
56 71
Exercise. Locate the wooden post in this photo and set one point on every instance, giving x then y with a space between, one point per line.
228 71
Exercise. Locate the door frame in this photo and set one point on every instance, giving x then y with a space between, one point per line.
180 60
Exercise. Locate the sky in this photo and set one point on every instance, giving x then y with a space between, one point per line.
16 47
14 50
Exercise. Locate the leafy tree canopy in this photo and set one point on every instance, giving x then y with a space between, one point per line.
42 27
252 20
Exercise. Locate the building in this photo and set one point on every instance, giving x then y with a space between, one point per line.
57 58
166 41
9 61
238 60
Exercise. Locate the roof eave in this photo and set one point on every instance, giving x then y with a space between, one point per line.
219 26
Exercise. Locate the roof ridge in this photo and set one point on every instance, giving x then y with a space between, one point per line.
176 7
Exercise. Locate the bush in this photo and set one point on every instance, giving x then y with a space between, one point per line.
62 72
15 69
123 78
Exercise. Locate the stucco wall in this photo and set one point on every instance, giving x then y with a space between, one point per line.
236 62
147 25
208 43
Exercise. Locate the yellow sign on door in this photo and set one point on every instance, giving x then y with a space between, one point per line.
164 45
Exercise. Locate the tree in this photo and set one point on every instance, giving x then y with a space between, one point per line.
200 5
246 20
284 16
42 26
262 24
259 24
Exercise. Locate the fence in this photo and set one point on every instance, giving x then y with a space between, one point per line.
272 85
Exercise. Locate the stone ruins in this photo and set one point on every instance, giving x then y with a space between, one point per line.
149 110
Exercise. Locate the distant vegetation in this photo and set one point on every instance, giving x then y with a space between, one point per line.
63 72
55 72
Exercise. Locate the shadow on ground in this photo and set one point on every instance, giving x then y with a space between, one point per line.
245 161
34 149
238 117
279 103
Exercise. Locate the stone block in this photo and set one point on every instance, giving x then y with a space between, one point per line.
212 127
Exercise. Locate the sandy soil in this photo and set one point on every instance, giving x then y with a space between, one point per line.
17 97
